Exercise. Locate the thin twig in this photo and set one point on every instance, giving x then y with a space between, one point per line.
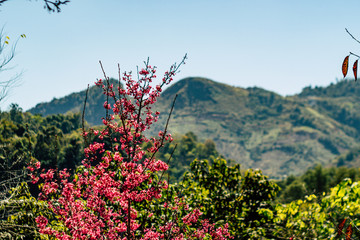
128 220
107 90
354 54
167 164
352 36
107 115
83 117
119 72
164 133
171 110
123 122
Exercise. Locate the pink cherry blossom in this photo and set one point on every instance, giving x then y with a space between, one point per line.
109 195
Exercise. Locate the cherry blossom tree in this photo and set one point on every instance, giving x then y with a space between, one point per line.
117 192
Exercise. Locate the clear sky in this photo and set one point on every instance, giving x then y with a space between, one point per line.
282 46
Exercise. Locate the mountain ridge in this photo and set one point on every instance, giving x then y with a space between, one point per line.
252 126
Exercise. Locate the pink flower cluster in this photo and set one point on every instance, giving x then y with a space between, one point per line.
109 195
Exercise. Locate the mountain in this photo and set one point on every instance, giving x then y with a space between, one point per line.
253 126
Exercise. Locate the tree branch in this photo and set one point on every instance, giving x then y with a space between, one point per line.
352 35
50 6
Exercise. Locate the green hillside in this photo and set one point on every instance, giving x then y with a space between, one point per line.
258 128
340 101
253 126
74 102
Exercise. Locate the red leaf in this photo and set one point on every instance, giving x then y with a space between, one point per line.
355 69
345 66
348 232
341 226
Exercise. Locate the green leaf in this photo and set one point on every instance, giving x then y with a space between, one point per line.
341 193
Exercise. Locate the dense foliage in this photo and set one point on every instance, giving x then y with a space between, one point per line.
319 217
56 141
224 194
208 184
315 181
50 139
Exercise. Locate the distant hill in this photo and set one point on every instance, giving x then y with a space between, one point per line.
340 101
253 126
74 102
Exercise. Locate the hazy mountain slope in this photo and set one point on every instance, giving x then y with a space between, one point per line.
258 128
340 101
255 127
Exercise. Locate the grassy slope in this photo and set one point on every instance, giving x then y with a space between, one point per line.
257 128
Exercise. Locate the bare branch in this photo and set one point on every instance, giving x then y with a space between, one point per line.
83 117
50 6
5 59
2 1
163 135
168 161
354 54
352 35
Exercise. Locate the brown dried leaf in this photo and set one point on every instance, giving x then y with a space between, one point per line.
348 232
355 69
340 227
345 66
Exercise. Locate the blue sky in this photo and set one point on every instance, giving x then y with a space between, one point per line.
282 46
